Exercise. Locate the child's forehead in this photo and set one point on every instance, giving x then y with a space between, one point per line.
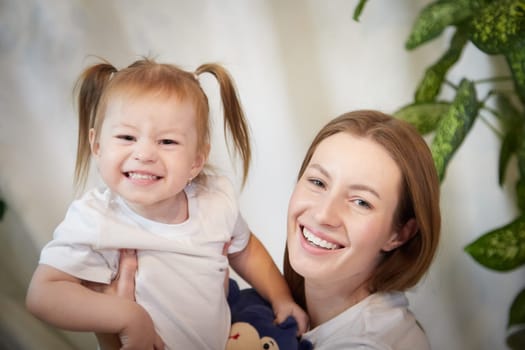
136 93
124 100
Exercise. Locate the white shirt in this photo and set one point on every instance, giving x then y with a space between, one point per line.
181 267
380 321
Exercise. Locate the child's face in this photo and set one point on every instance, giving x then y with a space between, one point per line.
147 152
341 211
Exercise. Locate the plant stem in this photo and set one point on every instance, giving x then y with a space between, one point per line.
490 126
492 80
449 83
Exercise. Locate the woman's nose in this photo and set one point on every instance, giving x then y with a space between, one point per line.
145 152
328 211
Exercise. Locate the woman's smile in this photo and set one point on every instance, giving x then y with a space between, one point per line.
317 242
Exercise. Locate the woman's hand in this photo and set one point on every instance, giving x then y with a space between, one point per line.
139 333
124 283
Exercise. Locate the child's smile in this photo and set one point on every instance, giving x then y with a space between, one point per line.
147 152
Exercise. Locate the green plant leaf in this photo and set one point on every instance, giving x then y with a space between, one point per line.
502 249
516 339
434 18
454 126
509 146
430 86
520 193
517 310
516 322
508 114
2 209
520 186
498 26
424 116
515 57
512 123
358 9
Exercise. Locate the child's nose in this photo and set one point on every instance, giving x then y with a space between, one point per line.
145 151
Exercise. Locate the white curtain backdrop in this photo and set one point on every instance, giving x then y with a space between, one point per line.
297 64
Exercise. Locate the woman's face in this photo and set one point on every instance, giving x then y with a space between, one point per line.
341 211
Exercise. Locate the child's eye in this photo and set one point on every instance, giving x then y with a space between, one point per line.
168 142
125 137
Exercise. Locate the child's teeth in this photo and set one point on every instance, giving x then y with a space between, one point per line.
137 176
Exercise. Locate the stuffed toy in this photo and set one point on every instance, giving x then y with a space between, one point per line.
253 324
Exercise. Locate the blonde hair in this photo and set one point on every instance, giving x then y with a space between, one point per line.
99 83
403 267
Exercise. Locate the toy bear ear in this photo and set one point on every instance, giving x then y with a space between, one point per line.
268 343
243 336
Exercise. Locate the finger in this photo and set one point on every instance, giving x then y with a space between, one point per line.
127 268
302 325
300 318
302 322
226 247
280 317
159 344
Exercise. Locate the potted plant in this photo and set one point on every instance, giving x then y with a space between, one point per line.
496 27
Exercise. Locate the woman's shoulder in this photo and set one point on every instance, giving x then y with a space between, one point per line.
387 315
381 321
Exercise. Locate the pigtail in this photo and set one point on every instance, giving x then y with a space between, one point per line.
90 84
234 118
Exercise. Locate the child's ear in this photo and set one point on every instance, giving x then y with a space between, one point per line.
200 160
95 145
399 237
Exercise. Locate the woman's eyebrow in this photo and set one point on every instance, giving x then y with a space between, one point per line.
366 188
359 187
319 168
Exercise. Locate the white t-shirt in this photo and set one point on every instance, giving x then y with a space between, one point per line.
380 321
181 267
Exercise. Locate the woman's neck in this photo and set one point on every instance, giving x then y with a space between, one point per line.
324 301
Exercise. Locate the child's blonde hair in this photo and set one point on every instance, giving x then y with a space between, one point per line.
101 82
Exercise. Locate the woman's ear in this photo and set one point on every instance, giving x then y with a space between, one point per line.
95 146
402 235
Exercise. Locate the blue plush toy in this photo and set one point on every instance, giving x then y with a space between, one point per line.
253 326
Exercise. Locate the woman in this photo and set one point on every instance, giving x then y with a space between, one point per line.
363 227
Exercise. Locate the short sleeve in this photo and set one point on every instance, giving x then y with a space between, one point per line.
73 248
241 235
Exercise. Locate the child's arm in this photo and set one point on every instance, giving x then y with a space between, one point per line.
255 265
61 300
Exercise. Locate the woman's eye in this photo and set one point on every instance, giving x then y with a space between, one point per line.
362 203
168 142
126 137
316 182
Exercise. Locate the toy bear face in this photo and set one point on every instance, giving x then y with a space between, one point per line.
268 343
243 336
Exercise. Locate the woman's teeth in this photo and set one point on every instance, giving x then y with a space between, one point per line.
137 176
318 242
